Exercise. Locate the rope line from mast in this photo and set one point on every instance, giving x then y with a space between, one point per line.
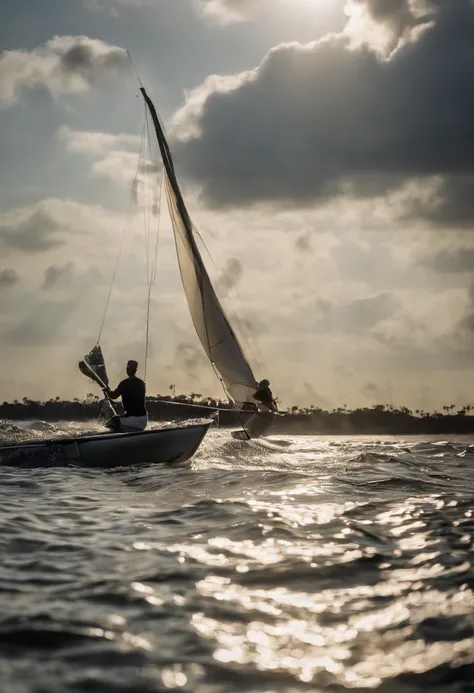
255 349
125 226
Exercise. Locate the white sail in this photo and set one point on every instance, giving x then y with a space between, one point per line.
210 321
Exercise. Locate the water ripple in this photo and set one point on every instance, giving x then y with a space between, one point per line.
297 564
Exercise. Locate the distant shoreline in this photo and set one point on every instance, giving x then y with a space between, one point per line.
376 420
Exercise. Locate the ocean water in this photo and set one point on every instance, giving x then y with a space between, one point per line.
288 564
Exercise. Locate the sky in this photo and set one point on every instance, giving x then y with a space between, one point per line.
325 149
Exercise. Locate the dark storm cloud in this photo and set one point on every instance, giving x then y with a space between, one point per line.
8 278
83 57
451 261
452 204
36 233
315 122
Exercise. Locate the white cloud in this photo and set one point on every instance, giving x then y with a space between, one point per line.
50 225
386 26
63 65
230 11
96 143
118 157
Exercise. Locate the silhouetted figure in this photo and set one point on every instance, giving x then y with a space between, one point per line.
264 396
132 390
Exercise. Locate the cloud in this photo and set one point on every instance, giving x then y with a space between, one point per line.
383 24
253 325
463 329
111 5
229 11
37 232
231 275
8 278
303 242
192 361
43 325
372 390
317 400
324 120
96 143
451 260
42 227
450 204
354 317
118 157
68 279
63 65
58 275
221 12
398 14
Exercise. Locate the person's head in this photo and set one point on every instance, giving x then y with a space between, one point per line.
263 384
132 367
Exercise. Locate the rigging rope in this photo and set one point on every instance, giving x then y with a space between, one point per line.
255 348
151 263
125 226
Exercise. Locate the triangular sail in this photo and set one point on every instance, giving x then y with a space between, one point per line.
210 321
93 367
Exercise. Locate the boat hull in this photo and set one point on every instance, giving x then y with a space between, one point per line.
109 450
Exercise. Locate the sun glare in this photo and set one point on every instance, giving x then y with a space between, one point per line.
313 7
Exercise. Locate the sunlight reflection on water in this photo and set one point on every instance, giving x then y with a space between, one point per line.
259 572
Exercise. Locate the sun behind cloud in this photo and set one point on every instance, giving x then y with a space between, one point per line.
231 11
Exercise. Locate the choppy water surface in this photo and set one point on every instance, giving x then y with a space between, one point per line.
309 565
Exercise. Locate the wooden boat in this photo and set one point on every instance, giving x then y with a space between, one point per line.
108 450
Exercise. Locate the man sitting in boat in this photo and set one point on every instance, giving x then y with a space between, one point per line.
264 397
132 390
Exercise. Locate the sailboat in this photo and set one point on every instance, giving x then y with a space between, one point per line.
218 340
211 323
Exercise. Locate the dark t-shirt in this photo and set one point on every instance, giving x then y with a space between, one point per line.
132 391
264 396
